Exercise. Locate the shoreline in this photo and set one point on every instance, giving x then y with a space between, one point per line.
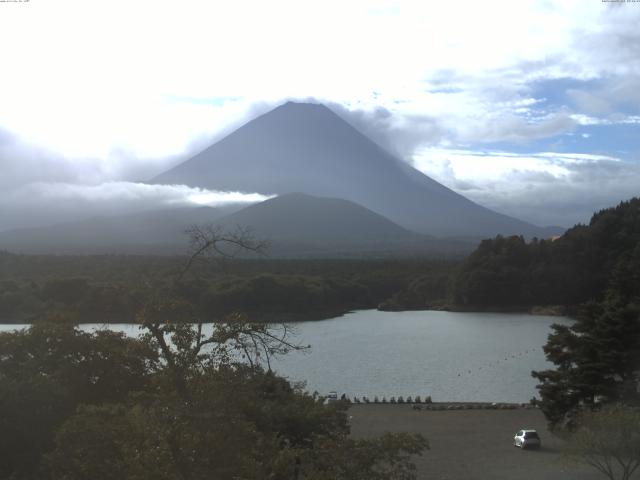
295 317
444 405
542 310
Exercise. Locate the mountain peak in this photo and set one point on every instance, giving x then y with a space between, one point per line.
293 104
301 112
306 147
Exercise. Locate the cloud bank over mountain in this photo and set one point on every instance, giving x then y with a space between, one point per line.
545 187
519 78
41 203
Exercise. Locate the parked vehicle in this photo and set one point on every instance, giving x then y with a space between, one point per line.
527 439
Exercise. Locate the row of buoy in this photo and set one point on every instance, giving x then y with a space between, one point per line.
409 400
512 356
473 406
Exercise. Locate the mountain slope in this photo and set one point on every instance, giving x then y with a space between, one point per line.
295 225
307 148
304 217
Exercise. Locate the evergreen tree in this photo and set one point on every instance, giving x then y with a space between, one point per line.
598 357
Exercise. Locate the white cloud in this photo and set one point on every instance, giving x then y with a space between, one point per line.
24 160
52 202
545 188
128 192
615 119
137 77
96 92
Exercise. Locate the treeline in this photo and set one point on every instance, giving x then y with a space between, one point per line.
570 270
113 288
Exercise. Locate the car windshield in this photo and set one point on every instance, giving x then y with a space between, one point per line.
530 435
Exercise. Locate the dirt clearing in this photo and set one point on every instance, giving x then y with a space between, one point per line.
472 444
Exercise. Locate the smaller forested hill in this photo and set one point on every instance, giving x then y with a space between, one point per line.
575 268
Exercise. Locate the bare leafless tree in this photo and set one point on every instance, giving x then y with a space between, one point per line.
213 242
179 332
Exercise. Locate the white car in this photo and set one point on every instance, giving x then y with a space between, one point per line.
527 439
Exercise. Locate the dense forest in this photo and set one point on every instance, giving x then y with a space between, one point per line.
107 288
569 270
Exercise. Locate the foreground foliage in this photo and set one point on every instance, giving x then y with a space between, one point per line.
608 440
177 403
184 401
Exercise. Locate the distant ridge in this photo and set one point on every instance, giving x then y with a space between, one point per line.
298 224
299 216
157 231
304 147
295 225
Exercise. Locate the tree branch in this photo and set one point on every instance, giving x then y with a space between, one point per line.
210 240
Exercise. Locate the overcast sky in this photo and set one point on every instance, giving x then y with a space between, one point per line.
531 108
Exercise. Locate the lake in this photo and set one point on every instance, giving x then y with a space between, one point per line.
448 355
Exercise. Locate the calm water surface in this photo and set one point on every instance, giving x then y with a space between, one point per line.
450 356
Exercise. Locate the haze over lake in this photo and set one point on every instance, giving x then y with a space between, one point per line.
449 355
